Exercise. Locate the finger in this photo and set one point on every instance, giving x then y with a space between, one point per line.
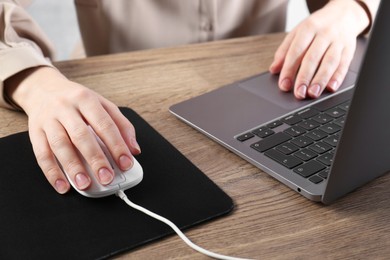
126 129
310 64
280 54
327 68
294 57
85 142
340 73
67 156
105 127
47 162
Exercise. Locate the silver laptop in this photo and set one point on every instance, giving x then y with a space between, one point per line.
322 149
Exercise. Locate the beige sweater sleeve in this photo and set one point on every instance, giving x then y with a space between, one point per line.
22 44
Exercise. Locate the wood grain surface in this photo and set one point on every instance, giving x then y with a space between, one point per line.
270 221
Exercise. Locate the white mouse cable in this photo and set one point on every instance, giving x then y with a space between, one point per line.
123 196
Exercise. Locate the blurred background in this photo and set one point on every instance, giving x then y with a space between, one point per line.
58 20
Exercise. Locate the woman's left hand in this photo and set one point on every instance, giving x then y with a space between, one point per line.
316 55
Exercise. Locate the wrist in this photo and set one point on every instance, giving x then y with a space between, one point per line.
367 11
357 12
21 88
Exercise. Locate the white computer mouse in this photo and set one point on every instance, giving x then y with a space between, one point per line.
123 180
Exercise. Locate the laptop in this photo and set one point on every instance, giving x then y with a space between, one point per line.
322 148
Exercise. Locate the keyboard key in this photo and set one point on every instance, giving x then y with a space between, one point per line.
307 113
295 131
287 148
302 141
322 118
335 112
263 132
315 179
292 120
332 140
324 174
316 135
345 106
326 159
320 147
305 154
245 137
340 121
288 161
309 168
330 128
271 141
275 124
309 124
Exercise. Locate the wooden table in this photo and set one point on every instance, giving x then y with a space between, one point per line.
270 221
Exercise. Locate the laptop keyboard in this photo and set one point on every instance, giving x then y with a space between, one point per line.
303 141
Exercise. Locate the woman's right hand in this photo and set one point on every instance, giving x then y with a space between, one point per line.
60 113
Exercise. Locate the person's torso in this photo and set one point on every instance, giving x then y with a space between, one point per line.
124 25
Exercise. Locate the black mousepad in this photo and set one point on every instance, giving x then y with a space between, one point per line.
38 223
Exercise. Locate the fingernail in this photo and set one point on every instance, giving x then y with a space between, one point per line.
286 84
314 90
125 162
82 181
135 145
301 91
105 176
61 186
334 85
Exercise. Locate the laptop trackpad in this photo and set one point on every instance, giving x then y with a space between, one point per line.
266 86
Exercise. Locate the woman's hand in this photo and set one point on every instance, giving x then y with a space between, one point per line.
317 53
59 113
